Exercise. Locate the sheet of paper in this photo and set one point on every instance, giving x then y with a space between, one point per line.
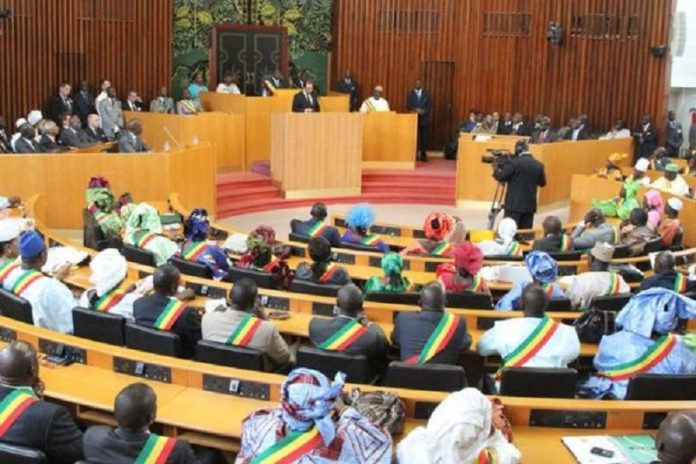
581 447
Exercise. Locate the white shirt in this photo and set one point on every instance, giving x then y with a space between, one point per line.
122 308
51 302
583 288
507 335
677 186
614 134
371 105
231 89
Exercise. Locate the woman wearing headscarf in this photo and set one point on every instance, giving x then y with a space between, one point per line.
312 414
612 169
102 205
462 276
321 270
265 254
544 271
653 204
198 249
393 281
644 345
505 244
622 206
359 219
442 233
144 230
110 294
465 428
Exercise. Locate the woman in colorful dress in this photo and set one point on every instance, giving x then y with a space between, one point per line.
360 218
197 248
655 206
442 233
144 230
544 271
392 281
462 276
264 253
321 270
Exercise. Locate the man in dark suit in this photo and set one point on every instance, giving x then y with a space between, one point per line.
27 143
5 146
147 310
84 102
70 131
666 276
131 141
372 343
43 426
93 133
133 102
675 136
579 129
349 86
315 227
62 103
419 101
135 409
646 137
523 175
554 240
412 330
505 126
520 126
306 101
544 134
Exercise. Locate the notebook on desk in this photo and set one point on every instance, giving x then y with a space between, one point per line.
626 449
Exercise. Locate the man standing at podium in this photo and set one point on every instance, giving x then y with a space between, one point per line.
307 100
376 103
420 102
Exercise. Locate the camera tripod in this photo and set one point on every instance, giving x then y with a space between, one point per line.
497 204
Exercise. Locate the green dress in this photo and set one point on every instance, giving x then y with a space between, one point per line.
622 207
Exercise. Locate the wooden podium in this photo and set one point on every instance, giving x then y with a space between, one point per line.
317 154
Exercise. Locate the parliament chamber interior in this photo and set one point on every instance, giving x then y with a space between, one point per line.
348 231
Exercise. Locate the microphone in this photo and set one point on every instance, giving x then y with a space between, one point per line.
171 137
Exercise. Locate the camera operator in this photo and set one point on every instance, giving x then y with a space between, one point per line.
523 175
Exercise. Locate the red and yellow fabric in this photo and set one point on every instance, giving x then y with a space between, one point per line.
548 288
486 456
13 406
344 337
109 300
477 285
291 448
270 87
195 251
614 284
330 271
515 249
652 357
98 214
317 229
245 331
442 249
25 281
531 345
189 106
170 314
565 243
370 240
156 450
438 341
680 283
269 267
370 106
143 238
7 267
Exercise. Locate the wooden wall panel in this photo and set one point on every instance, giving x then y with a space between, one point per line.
503 61
48 41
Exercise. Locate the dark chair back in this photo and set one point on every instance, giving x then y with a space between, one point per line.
560 304
359 247
262 279
432 377
653 246
13 454
293 237
138 255
536 382
621 251
401 298
611 302
15 307
228 355
356 368
98 326
516 258
190 268
304 286
93 237
152 340
469 300
662 387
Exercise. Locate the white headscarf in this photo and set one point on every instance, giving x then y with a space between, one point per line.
109 268
507 230
34 117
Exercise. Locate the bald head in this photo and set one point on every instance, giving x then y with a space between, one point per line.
432 297
19 364
350 300
552 225
243 294
664 261
676 439
135 407
534 301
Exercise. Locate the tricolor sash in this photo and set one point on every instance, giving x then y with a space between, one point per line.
548 288
13 406
344 337
98 214
565 243
7 267
370 106
156 450
26 280
476 285
680 283
515 249
370 240
317 229
107 301
441 249
269 267
614 284
652 357
614 235
487 456
531 345
330 271
194 251
291 448
441 336
144 238
269 86
170 314
245 331
189 106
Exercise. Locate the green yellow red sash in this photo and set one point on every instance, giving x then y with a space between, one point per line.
515 249
144 239
344 337
330 271
12 408
245 331
170 314
7 267
614 284
98 214
370 240
26 280
189 106
291 448
109 300
531 345
438 340
370 106
487 456
548 288
156 450
614 235
565 243
680 283
194 251
652 357
476 285
269 86
317 229
441 249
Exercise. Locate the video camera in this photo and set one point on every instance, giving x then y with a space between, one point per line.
496 156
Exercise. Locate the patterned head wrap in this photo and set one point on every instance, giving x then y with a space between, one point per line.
144 217
197 225
468 257
655 310
654 201
437 226
259 248
542 266
392 264
361 216
307 399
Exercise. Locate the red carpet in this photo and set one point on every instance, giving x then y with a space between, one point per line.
430 183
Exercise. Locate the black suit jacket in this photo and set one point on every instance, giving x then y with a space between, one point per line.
525 129
647 141
549 137
146 310
351 89
70 138
505 128
425 102
91 136
584 134
550 244
46 427
47 145
523 175
412 330
303 227
103 445
665 279
137 106
59 106
84 105
23 145
300 103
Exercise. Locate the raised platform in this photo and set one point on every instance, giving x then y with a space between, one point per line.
430 183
